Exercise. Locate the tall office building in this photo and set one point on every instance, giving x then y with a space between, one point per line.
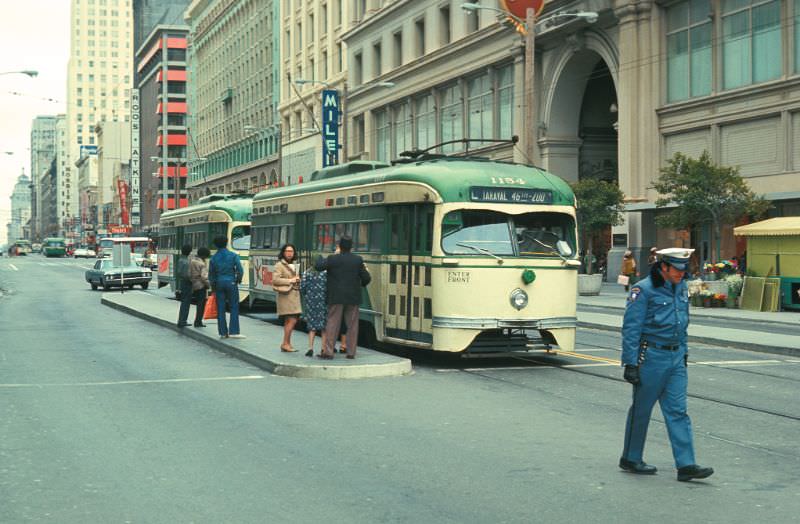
20 208
43 151
98 73
147 14
233 92
67 196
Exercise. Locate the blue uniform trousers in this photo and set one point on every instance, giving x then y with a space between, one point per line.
663 379
227 292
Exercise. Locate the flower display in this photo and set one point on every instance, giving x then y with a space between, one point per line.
726 267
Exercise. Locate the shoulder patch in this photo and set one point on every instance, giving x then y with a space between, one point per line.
634 294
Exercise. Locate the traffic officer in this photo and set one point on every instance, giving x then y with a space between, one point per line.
655 353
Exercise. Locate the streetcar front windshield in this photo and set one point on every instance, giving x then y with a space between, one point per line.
240 238
476 232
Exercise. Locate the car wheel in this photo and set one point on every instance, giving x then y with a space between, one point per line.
145 285
106 287
94 286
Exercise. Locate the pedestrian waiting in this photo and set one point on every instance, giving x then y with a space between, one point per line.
198 275
347 274
225 273
286 283
313 286
184 285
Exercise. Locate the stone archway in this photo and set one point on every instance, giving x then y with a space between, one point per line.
577 136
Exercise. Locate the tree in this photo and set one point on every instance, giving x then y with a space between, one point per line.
704 193
600 205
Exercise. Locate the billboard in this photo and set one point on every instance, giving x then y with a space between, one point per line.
330 127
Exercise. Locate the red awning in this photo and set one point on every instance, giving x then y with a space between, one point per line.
173 75
172 140
171 171
171 203
172 107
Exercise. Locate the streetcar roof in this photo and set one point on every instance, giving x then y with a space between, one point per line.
451 177
238 208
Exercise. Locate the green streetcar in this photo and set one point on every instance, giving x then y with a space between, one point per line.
198 225
54 247
466 254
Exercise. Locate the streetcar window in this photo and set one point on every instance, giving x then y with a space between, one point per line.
362 239
275 237
240 237
375 236
538 233
476 231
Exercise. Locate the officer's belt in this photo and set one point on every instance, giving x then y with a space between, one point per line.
664 347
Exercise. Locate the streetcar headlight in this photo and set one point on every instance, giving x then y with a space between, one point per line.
519 298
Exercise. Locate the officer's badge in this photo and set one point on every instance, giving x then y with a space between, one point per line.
635 292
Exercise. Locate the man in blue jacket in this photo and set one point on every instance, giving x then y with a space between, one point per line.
225 273
655 356
346 276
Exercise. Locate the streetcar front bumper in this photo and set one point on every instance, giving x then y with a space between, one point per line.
501 323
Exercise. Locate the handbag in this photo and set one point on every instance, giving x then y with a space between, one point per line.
283 288
623 280
210 312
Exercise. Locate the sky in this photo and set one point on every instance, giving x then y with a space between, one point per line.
34 35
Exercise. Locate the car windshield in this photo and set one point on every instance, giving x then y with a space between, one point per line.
490 232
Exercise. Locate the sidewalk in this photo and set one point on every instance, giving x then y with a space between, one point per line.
261 347
777 332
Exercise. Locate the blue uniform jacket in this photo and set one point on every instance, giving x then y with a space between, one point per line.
657 311
225 267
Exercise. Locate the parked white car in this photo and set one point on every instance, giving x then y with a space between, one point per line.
83 252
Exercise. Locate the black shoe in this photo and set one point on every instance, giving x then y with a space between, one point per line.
310 353
183 324
640 468
351 357
694 471
199 325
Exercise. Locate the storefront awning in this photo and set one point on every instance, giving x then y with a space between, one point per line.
782 226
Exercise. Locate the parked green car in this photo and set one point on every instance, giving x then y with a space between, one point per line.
106 275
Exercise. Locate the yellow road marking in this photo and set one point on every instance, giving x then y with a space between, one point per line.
588 357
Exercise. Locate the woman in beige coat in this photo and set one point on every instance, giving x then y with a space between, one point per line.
286 282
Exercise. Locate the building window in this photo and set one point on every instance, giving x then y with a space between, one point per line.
383 135
688 50
358 70
424 122
377 65
402 129
480 107
444 25
451 117
797 36
751 42
419 27
398 48
505 101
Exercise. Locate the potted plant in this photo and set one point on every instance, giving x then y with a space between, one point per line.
735 283
707 296
599 206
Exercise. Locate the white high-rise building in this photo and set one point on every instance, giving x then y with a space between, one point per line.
67 195
98 74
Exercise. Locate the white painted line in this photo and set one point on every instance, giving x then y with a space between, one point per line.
129 382
594 350
509 368
736 362
12 266
598 365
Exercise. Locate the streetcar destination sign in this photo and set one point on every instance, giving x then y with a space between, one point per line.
511 195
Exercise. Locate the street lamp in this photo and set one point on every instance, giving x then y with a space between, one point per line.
527 28
28 72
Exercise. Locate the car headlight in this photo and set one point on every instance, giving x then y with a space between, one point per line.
519 298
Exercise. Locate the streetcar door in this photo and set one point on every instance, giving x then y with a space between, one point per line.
408 296
303 239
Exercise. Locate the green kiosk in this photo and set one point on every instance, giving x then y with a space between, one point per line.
773 250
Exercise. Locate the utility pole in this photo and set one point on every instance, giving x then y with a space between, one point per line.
531 149
164 126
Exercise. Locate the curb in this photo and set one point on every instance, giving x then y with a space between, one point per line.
694 314
345 371
758 348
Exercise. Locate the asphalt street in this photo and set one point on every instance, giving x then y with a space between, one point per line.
108 418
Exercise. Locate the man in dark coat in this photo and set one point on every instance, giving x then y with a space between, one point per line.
347 274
